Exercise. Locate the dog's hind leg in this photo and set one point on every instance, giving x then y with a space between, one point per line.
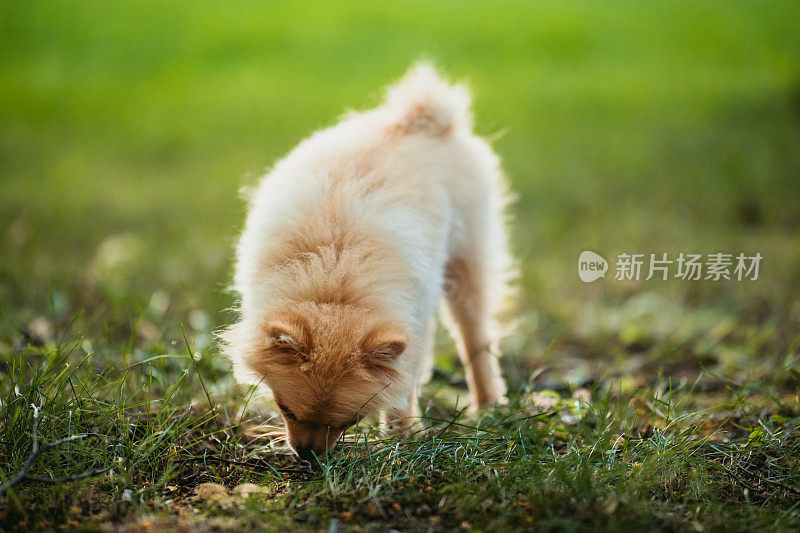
469 318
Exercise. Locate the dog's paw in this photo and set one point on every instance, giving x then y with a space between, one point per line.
489 403
403 427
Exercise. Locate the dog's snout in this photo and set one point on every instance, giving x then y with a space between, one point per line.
309 450
306 453
311 440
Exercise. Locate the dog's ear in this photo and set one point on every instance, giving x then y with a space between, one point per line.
288 338
381 346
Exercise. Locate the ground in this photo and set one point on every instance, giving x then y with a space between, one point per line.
128 128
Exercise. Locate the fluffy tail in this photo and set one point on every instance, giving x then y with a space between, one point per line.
425 103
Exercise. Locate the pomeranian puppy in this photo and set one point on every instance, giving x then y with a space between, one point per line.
350 243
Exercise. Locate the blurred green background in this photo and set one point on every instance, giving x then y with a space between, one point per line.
127 129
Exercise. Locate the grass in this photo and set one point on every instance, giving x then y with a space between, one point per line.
655 458
127 129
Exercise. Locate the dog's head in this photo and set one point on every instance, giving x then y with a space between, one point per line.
327 365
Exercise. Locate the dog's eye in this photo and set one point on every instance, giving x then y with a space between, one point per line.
286 412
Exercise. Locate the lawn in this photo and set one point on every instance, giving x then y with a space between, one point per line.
128 129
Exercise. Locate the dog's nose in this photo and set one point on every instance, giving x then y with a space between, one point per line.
308 440
306 453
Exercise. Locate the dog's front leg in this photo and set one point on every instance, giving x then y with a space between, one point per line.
402 420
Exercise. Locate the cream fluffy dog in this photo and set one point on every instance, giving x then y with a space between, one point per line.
351 242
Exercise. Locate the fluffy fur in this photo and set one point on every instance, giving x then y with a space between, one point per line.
351 242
